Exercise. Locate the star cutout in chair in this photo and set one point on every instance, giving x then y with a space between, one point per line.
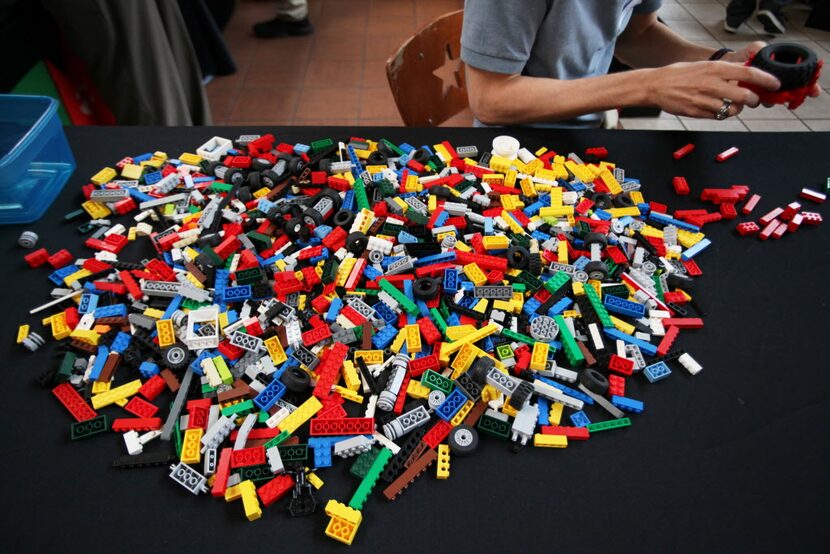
449 73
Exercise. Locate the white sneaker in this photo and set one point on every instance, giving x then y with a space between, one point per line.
773 23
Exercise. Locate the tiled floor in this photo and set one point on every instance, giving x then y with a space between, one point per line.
337 75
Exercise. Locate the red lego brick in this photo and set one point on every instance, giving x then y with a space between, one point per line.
352 315
257 434
599 151
790 211
669 338
616 385
72 401
771 215
314 336
342 426
37 258
330 370
72 317
223 469
419 365
573 433
779 231
727 154
430 333
132 286
59 259
275 489
484 262
620 365
152 387
683 152
140 407
812 218
768 229
681 186
123 424
728 211
438 433
750 204
229 350
794 224
253 456
692 268
401 399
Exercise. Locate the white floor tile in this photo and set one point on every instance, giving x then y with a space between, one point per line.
652 124
775 125
818 124
776 112
711 11
731 124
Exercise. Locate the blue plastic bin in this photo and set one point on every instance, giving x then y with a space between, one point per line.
35 159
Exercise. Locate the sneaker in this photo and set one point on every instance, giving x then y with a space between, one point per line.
731 27
773 22
277 28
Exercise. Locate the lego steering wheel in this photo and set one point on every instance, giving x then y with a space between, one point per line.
796 66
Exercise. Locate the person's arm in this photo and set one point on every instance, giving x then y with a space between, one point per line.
648 43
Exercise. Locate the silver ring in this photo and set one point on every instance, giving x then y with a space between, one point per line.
723 112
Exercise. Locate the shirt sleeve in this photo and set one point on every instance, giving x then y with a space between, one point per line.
498 38
648 6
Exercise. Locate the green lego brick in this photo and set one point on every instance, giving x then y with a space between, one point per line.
257 474
367 292
191 304
519 287
330 268
391 229
659 286
494 427
239 409
368 483
443 310
557 282
417 217
600 310
606 425
438 320
261 242
517 336
294 452
503 352
520 240
263 417
572 351
392 147
363 463
321 144
177 438
248 276
211 253
408 305
276 441
532 282
217 186
386 187
360 195
827 186
436 381
65 369
620 291
90 427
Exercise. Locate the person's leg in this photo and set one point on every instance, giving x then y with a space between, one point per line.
737 12
291 20
771 16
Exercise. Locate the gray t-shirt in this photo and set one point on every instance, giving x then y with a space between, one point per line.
561 39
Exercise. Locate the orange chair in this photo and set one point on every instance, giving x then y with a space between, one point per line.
426 74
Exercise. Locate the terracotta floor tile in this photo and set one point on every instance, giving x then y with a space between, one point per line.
281 121
346 122
270 74
333 25
395 122
392 8
374 74
331 73
231 82
264 104
288 49
328 103
428 10
377 103
222 102
381 48
338 48
385 27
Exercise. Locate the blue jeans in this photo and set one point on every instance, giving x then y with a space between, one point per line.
741 10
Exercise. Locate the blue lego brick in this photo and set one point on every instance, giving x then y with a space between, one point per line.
450 406
334 309
385 312
301 148
581 262
264 205
451 280
544 411
389 260
87 303
121 342
137 159
441 219
406 148
645 346
466 302
237 294
668 220
266 399
148 369
114 310
530 306
406 238
348 201
58 275
206 179
100 360
533 209
322 231
466 285
560 306
139 196
488 345
575 393
656 372
540 236
152 178
690 253
579 419
172 307
453 320
196 365
384 337
602 214
436 259
422 307
488 226
617 305
627 404
371 273
322 451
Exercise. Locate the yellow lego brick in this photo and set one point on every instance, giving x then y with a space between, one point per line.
443 354
121 403
275 350
313 479
303 413
527 187
672 254
154 313
371 357
500 164
518 299
89 337
104 176
233 493
510 178
546 174
166 334
345 269
124 391
489 392
132 171
511 202
550 441
432 203
562 252
578 288
688 239
22 333
440 236
481 305
556 211
413 184
372 169
132 232
60 330
401 204
350 376
471 338
442 152
340 528
610 181
101 386
464 359
442 464
637 197
583 173
649 231
503 305
555 413
474 274
512 223
397 344
222 369
192 446
633 211
541 151
533 166
458 418
570 313
623 326
416 389
556 197
509 410
301 301
260 193
461 245
496 242
349 394
539 358
413 339
250 502
96 210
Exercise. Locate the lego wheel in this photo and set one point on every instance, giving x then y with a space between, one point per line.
596 270
425 288
356 243
594 381
295 379
175 358
596 238
343 218
793 64
518 257
463 440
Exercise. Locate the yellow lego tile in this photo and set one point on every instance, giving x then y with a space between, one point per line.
442 465
550 441
191 446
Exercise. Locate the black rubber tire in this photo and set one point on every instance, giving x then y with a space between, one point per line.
425 288
343 218
623 201
793 64
676 281
520 395
296 166
478 371
244 193
269 178
234 176
356 243
596 268
377 158
295 379
463 440
421 156
210 168
294 226
313 217
260 164
594 381
518 257
334 196
175 358
254 180
534 265
602 201
595 238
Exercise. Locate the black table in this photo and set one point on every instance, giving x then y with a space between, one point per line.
734 459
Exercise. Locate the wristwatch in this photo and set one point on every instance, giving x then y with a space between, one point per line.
719 54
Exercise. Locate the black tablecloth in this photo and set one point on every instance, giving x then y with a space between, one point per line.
734 459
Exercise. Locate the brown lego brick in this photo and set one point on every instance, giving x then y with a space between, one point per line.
407 477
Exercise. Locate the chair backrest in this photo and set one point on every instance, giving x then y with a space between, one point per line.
426 74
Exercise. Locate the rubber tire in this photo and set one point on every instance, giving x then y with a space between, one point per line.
463 440
175 358
518 257
378 158
792 75
594 267
295 379
624 201
594 238
234 176
356 243
343 218
244 193
594 381
425 288
602 201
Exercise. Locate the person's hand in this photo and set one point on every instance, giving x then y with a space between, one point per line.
698 89
747 52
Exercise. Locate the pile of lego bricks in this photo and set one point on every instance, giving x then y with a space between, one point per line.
382 304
